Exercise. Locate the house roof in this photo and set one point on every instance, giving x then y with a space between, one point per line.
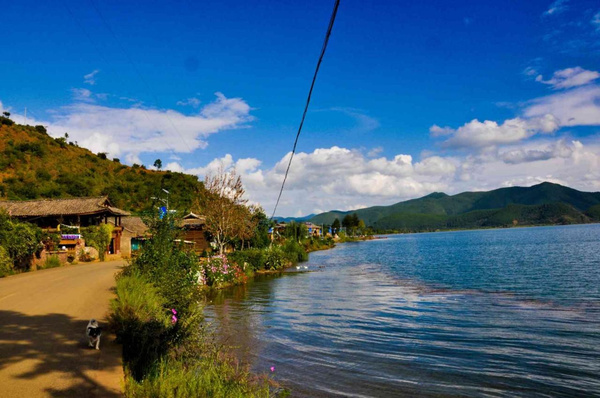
60 207
133 224
192 219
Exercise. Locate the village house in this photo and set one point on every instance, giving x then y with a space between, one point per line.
134 233
194 227
314 229
68 215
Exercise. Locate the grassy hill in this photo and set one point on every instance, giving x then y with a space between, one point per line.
545 203
34 165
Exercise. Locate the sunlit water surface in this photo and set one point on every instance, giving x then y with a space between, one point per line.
512 312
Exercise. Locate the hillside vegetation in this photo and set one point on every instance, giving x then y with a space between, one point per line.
34 165
541 204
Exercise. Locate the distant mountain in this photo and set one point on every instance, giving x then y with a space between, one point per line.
545 203
34 165
296 219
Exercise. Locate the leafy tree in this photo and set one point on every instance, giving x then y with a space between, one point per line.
21 240
6 114
335 227
224 207
158 164
98 237
295 231
102 155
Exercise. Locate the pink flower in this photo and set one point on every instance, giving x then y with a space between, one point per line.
173 319
173 311
272 368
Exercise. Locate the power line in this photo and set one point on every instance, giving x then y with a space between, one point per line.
312 85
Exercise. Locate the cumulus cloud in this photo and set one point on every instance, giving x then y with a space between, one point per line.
476 134
135 130
345 179
90 78
560 149
556 7
570 77
437 131
575 107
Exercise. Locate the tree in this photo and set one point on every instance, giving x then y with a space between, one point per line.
6 114
224 207
335 227
158 164
99 238
347 221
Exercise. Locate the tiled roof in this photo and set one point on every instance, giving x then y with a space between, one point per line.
60 207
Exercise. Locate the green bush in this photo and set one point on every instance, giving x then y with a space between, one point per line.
21 240
52 262
275 258
6 264
141 324
295 252
165 263
255 258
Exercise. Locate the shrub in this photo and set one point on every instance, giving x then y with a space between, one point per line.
217 271
295 252
165 263
255 258
99 238
6 264
275 258
141 324
52 262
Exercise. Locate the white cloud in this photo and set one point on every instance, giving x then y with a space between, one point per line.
192 101
375 151
82 94
437 131
135 130
596 21
530 71
570 77
345 179
556 7
560 149
476 134
575 107
90 78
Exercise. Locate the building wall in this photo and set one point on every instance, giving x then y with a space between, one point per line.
197 236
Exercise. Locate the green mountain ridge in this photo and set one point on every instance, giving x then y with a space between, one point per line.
541 204
34 165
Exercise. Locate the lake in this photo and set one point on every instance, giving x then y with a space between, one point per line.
498 313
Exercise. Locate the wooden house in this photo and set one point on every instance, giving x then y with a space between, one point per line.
52 214
194 228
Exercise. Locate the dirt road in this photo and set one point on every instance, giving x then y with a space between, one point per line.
43 347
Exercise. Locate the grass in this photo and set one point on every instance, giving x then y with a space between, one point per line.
52 262
172 359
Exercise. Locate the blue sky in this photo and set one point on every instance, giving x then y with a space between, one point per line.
411 97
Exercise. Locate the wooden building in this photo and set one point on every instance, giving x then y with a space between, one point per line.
135 232
51 214
194 228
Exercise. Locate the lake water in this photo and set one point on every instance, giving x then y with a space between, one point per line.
511 312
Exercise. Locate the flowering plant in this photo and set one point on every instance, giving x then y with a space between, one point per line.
216 271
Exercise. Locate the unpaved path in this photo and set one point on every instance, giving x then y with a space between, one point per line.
43 347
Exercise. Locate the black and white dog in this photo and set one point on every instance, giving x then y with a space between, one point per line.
93 332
